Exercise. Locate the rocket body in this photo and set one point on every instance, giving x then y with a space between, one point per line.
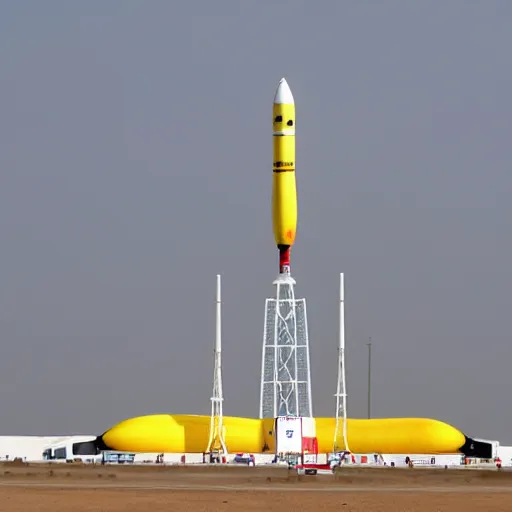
284 190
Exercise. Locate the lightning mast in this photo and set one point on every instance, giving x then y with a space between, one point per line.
340 431
216 443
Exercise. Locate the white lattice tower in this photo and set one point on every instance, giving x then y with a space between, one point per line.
285 368
340 430
216 442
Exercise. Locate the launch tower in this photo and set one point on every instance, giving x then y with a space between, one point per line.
285 369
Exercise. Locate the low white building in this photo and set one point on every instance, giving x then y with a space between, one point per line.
28 448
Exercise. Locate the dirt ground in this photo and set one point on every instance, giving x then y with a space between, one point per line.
79 488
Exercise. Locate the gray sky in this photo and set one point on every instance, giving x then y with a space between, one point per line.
135 164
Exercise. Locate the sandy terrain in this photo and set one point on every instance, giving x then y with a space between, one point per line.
78 488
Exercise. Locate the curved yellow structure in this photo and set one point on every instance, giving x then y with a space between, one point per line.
165 433
182 434
284 191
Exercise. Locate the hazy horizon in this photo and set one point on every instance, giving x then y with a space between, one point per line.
136 152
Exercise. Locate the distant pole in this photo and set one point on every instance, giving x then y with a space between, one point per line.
369 345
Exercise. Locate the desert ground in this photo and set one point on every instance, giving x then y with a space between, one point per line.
79 488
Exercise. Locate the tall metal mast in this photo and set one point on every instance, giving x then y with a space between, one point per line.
216 442
340 431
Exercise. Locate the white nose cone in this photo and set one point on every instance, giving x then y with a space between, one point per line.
283 93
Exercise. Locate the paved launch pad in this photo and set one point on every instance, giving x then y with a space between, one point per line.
64 487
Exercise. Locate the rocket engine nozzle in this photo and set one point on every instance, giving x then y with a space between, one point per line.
284 259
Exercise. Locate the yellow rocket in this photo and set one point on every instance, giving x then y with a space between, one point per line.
284 191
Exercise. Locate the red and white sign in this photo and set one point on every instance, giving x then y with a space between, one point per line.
288 435
297 435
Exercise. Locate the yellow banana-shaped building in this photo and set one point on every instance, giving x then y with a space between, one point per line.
284 189
166 433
